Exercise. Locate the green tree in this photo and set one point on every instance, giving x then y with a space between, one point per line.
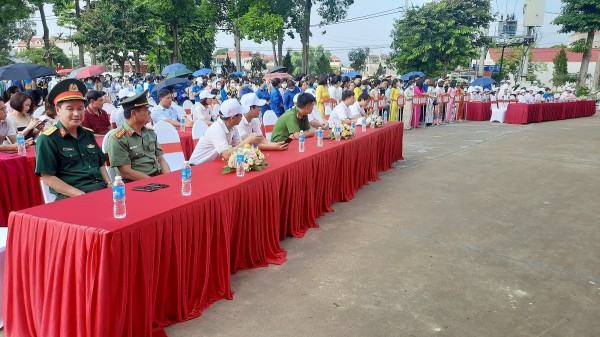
560 75
439 36
39 5
69 13
259 25
314 54
358 58
512 63
228 15
220 51
323 64
287 62
581 16
380 71
13 26
40 56
228 67
257 65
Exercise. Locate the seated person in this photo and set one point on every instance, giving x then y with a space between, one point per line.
68 157
8 133
204 110
294 120
222 135
95 117
315 119
165 112
133 149
360 105
251 124
342 114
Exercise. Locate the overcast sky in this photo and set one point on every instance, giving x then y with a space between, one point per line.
373 32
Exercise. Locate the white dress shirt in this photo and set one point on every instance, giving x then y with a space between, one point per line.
203 113
215 141
339 113
245 128
315 115
356 110
159 113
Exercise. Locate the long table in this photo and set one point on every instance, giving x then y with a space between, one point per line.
479 111
19 186
522 113
74 270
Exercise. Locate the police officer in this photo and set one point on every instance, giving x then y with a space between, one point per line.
68 159
134 149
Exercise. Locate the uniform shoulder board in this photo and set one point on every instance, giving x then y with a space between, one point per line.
120 133
50 130
88 129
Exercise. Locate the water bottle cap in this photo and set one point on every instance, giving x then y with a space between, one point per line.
118 178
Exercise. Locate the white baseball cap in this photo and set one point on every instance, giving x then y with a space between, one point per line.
232 107
206 94
125 93
251 99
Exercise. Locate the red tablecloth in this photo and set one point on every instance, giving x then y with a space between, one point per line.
185 137
19 186
74 270
479 111
521 113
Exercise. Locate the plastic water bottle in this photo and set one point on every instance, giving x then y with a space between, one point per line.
239 160
186 179
363 125
385 117
118 191
338 132
372 122
182 126
353 126
301 139
21 144
320 137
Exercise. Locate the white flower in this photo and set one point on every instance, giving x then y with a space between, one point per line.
250 161
246 167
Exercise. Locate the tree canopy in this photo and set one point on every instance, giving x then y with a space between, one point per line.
358 58
14 26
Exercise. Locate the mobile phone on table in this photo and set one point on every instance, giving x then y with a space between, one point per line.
146 188
158 185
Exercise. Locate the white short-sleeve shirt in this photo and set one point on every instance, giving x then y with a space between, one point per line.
356 110
215 141
160 114
339 113
203 113
245 128
315 115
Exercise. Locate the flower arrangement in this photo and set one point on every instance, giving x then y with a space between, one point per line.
378 120
254 160
346 132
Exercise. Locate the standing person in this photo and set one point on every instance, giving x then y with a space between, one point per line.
408 105
322 94
95 117
263 93
419 91
439 90
68 159
246 88
335 90
394 94
450 108
288 98
460 111
115 88
276 101
431 102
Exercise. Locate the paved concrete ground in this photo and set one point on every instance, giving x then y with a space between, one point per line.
483 230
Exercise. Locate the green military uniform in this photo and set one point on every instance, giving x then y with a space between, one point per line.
127 147
288 124
76 161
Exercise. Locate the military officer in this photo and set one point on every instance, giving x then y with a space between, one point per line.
68 159
134 149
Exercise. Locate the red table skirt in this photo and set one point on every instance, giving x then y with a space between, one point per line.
479 111
521 113
19 186
73 270
185 137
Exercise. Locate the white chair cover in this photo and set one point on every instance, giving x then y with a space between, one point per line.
112 173
498 112
198 130
269 120
3 238
187 107
48 197
109 108
167 134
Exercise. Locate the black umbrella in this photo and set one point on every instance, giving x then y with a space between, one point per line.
25 71
277 69
172 83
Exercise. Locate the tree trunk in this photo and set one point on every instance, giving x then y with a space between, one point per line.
596 80
175 35
79 46
585 62
136 59
122 66
280 49
93 57
46 36
305 35
237 46
274 53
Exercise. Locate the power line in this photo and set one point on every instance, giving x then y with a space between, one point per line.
363 17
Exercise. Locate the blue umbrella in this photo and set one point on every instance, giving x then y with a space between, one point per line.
25 71
236 73
483 81
407 76
172 67
172 83
201 72
352 74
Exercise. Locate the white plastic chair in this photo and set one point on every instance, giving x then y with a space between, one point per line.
151 101
48 197
198 131
38 112
329 104
187 107
109 108
112 173
3 238
117 117
269 119
169 141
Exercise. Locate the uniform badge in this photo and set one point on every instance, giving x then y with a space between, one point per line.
67 149
62 132
73 87
129 133
50 130
120 133
90 146
133 147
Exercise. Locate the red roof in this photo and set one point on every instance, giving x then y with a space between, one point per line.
231 54
335 58
543 54
39 40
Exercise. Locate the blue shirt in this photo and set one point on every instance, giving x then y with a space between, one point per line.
223 95
276 102
288 98
139 88
196 89
180 97
263 94
245 91
160 114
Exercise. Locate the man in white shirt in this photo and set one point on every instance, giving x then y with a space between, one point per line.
164 112
528 97
250 123
222 134
341 113
358 108
503 90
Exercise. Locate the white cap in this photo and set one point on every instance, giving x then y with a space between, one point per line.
251 99
232 107
206 94
125 93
